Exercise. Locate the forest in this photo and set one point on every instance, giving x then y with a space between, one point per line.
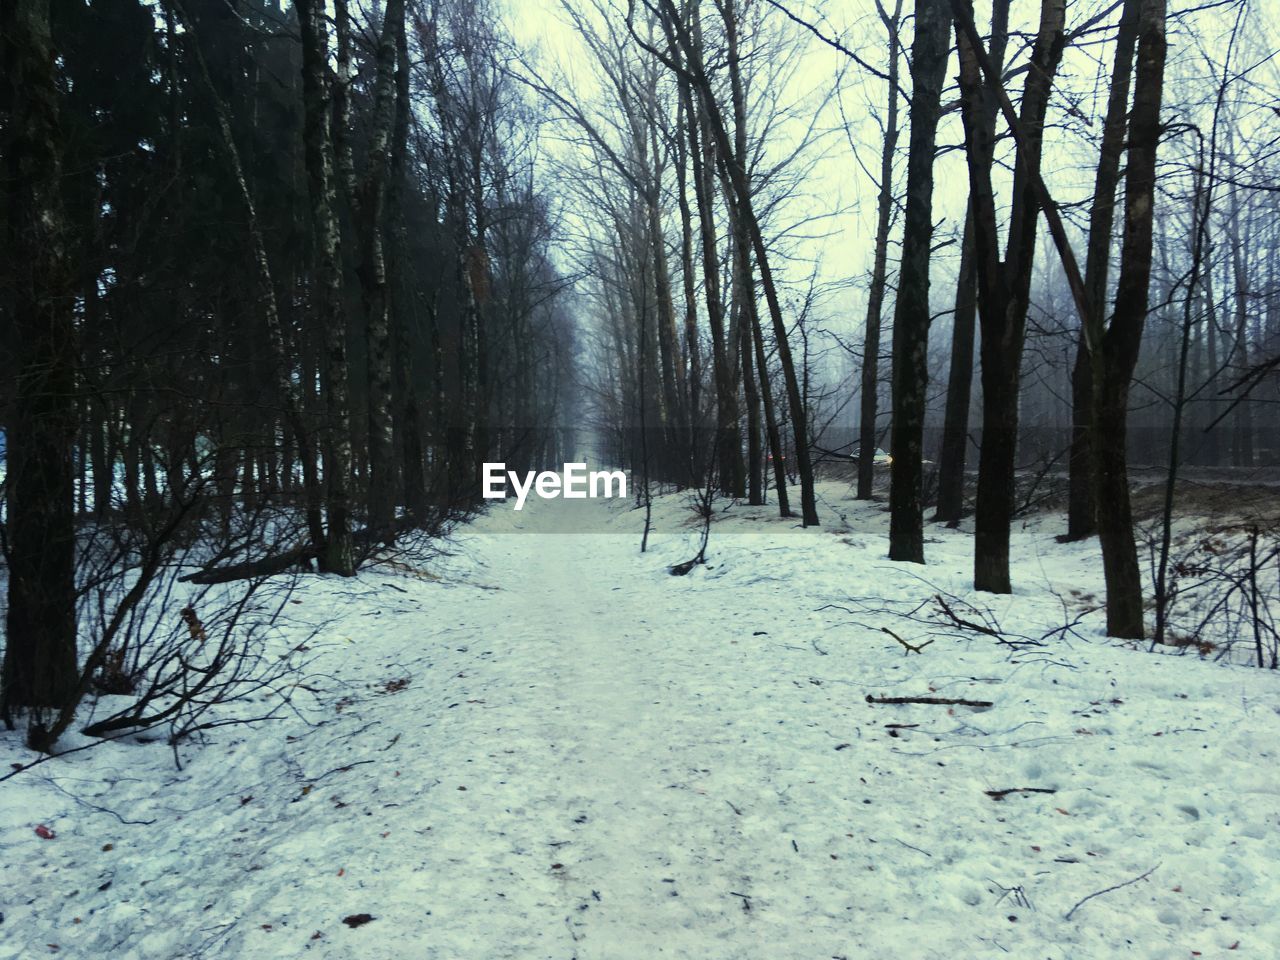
952 324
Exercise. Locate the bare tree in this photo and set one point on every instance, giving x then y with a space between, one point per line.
1004 284
1080 508
930 50
870 385
1115 349
680 35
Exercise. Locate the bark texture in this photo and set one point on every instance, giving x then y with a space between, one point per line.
1116 350
337 555
40 666
929 53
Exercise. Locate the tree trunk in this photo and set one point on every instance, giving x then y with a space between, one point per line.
685 119
1081 508
772 431
264 292
751 391
1116 354
410 415
955 429
1242 439
673 383
702 155
373 280
869 404
735 162
40 666
337 555
930 50
1004 286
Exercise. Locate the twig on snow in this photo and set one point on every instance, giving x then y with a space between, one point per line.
911 648
916 849
936 700
1001 794
93 806
1017 893
1127 883
342 769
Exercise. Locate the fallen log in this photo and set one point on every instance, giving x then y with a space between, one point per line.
936 700
366 537
266 567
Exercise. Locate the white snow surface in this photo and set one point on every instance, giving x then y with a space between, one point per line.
592 758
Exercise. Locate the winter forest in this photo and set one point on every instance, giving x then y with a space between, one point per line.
586 479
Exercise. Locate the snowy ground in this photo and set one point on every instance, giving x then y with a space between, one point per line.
546 746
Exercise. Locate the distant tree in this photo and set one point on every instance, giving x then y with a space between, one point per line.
870 375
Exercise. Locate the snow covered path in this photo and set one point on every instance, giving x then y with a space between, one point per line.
546 746
626 786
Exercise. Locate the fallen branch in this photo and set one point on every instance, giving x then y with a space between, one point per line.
1001 794
342 769
937 700
367 538
910 647
266 567
1127 883
961 622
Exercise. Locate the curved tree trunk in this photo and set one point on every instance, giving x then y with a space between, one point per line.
1081 521
1116 353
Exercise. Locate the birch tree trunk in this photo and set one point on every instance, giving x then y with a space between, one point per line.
371 214
337 556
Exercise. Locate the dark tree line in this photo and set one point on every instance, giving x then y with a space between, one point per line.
260 256
296 261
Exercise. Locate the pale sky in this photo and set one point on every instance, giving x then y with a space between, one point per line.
839 183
